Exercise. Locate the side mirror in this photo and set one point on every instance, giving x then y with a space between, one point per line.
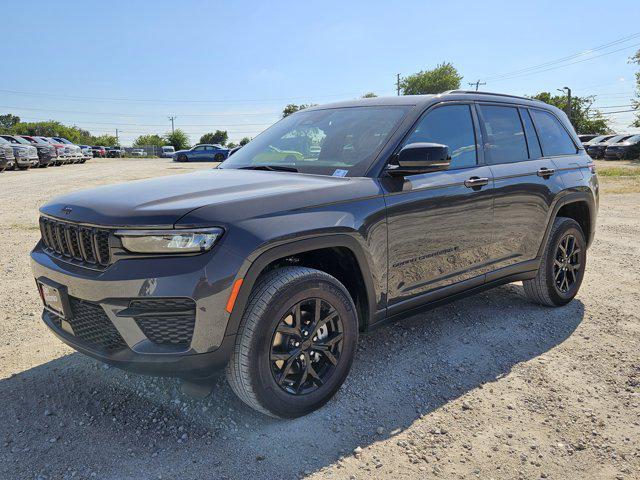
416 158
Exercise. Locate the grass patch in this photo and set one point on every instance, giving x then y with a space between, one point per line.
630 171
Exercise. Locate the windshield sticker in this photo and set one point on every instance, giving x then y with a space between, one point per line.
340 173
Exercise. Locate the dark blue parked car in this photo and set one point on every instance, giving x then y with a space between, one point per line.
202 153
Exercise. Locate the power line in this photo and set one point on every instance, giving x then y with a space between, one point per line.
553 64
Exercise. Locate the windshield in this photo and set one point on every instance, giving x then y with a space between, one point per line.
340 141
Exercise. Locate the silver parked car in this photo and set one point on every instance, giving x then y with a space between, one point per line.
26 155
75 152
87 152
7 157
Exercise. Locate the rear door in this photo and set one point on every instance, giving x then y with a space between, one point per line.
525 184
439 223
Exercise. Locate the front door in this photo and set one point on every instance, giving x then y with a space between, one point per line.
439 224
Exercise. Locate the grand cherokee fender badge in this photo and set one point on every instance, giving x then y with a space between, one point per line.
66 210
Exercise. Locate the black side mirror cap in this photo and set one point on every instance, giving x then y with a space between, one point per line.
416 158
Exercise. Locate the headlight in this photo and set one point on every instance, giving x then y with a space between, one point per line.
169 241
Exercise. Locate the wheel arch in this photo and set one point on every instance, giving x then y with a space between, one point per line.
338 255
578 205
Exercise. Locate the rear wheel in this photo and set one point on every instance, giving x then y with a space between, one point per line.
562 267
182 158
218 157
295 344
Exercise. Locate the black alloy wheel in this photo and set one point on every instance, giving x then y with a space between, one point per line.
566 264
306 346
218 157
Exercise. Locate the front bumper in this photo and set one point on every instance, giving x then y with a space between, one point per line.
200 278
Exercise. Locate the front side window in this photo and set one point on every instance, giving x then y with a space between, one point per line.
336 141
198 149
450 125
505 142
554 138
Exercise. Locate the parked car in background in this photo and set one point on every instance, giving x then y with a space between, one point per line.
63 152
87 153
26 154
75 151
595 148
99 151
234 150
7 158
116 152
46 152
626 148
586 137
202 153
167 151
138 152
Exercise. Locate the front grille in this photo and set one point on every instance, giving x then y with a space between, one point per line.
166 321
91 325
87 245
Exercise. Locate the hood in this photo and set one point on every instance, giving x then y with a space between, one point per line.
226 194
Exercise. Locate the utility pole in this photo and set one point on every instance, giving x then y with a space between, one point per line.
117 142
568 110
477 84
398 83
172 118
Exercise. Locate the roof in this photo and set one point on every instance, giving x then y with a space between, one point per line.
424 100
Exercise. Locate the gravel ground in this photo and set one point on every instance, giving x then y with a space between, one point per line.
487 387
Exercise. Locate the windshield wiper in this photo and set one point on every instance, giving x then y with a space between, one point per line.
273 168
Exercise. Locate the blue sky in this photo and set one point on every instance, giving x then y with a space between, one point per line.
234 65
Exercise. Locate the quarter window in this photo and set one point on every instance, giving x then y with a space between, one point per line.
505 141
450 125
553 136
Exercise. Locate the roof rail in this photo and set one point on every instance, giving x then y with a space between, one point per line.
493 93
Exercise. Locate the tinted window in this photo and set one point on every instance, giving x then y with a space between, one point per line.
451 125
554 138
505 137
532 136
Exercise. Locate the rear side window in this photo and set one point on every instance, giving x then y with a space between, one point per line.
554 138
451 125
532 136
505 142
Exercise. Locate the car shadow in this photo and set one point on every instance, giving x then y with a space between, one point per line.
75 415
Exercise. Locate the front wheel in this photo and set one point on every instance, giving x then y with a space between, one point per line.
182 158
562 266
295 343
218 157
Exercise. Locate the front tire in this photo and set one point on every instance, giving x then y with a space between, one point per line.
182 158
562 266
295 344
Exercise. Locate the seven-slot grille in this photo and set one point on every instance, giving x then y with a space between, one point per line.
76 242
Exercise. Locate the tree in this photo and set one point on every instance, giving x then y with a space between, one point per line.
583 118
369 95
244 141
636 103
218 137
178 139
8 121
149 140
105 141
231 145
440 79
293 108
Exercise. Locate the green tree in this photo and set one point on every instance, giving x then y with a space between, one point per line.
636 102
583 117
8 121
293 108
369 95
440 79
244 141
105 140
149 140
219 137
178 139
231 145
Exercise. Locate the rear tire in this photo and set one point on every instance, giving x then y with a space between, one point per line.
182 158
218 157
281 369
562 266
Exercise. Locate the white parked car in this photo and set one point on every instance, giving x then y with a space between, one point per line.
75 152
167 151
138 152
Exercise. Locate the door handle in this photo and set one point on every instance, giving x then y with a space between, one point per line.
546 172
476 182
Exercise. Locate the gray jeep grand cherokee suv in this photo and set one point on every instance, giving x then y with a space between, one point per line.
335 220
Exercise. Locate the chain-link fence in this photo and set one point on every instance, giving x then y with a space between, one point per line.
148 151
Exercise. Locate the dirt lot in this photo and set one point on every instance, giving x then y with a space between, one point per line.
487 387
